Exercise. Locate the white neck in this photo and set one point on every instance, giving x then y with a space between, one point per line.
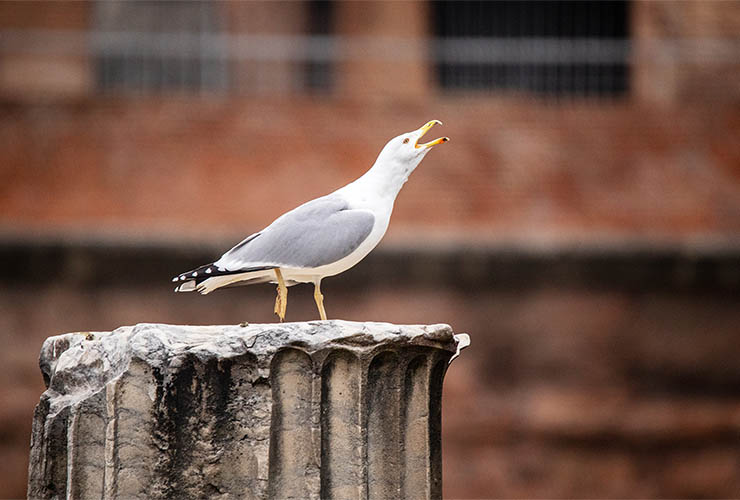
384 180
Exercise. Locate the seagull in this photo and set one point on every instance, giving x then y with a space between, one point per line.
322 237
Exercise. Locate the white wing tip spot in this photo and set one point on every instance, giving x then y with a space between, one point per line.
208 271
175 279
194 274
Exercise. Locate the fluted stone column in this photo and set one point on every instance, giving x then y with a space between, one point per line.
331 409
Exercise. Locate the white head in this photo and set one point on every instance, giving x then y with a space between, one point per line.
405 152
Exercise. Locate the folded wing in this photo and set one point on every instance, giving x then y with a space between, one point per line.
317 233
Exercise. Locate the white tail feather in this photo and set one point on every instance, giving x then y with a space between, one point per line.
211 284
187 286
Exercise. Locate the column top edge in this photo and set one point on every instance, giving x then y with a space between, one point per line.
103 356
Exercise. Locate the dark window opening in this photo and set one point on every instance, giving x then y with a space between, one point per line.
543 47
319 75
152 45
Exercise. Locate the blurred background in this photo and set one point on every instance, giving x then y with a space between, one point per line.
583 225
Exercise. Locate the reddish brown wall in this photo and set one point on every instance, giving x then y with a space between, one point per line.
41 74
686 51
588 379
565 392
512 170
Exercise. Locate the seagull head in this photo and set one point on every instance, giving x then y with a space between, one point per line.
407 150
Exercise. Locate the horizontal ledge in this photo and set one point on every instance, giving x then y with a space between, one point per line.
642 422
634 267
163 344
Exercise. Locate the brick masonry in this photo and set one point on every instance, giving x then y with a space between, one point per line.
567 391
513 170
604 372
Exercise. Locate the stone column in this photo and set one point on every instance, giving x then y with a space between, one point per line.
331 409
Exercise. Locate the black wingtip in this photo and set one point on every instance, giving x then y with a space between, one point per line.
202 273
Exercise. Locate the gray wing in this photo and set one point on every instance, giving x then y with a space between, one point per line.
317 233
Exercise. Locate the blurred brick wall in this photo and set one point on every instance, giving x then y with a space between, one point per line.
588 377
571 389
686 51
44 74
512 170
592 391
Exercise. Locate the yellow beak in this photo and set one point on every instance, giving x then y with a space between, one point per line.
423 130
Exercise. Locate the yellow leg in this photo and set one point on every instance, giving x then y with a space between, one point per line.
319 299
281 302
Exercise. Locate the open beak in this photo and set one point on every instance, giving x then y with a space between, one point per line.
423 130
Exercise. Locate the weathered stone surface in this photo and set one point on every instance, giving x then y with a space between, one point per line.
298 410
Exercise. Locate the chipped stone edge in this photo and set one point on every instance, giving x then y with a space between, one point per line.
109 354
462 340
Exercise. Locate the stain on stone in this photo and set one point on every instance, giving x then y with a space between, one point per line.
415 422
383 426
342 474
291 447
360 339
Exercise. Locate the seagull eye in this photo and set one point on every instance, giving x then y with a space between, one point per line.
406 140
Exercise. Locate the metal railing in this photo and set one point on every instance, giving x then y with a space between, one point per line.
221 62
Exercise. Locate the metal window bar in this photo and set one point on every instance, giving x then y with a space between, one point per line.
566 61
525 52
140 69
